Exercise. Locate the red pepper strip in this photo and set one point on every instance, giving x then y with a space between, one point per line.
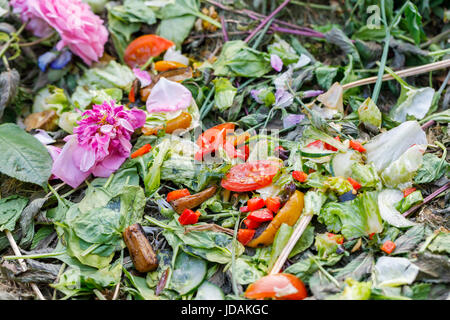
189 217
245 235
316 144
243 152
131 95
388 246
357 146
251 224
255 203
355 184
300 176
261 215
141 151
177 194
408 191
371 235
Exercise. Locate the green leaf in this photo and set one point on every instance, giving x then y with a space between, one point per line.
176 29
188 273
407 242
224 93
41 234
432 168
357 268
325 75
305 241
23 156
414 22
441 243
10 211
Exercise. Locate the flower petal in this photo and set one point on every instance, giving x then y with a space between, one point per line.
64 166
276 62
168 96
143 76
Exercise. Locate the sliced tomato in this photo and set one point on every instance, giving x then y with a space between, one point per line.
300 176
316 144
251 224
255 203
215 135
261 215
279 286
245 235
408 191
211 139
243 152
355 184
355 145
250 176
273 204
177 194
142 48
189 217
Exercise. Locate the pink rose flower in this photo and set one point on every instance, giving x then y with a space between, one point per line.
100 143
80 29
36 25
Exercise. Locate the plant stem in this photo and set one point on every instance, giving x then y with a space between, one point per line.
262 34
11 40
428 199
34 256
146 64
329 276
233 258
224 29
266 20
387 38
312 5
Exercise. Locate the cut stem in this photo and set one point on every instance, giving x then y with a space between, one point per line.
301 227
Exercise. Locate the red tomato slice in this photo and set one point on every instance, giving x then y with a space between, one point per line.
250 176
261 215
245 235
251 224
142 48
273 204
255 203
280 286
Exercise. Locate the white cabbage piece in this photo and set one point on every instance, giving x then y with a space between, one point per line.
399 174
412 102
387 199
387 147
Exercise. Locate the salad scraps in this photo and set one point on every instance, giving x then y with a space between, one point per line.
191 150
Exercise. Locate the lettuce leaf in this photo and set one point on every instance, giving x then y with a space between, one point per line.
387 147
355 218
400 173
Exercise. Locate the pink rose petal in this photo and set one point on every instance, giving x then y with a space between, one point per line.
276 62
168 96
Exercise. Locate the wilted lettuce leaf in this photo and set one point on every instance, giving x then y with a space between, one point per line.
282 49
355 218
393 271
387 147
409 201
432 168
51 98
355 290
387 199
400 173
366 175
369 113
441 243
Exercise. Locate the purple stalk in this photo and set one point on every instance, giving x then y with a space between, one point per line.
428 124
311 33
224 28
267 19
428 199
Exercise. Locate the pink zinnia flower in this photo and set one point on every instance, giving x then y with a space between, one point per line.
100 143
80 29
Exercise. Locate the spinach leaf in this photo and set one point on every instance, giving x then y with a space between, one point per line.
23 156
441 243
224 93
176 29
188 273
